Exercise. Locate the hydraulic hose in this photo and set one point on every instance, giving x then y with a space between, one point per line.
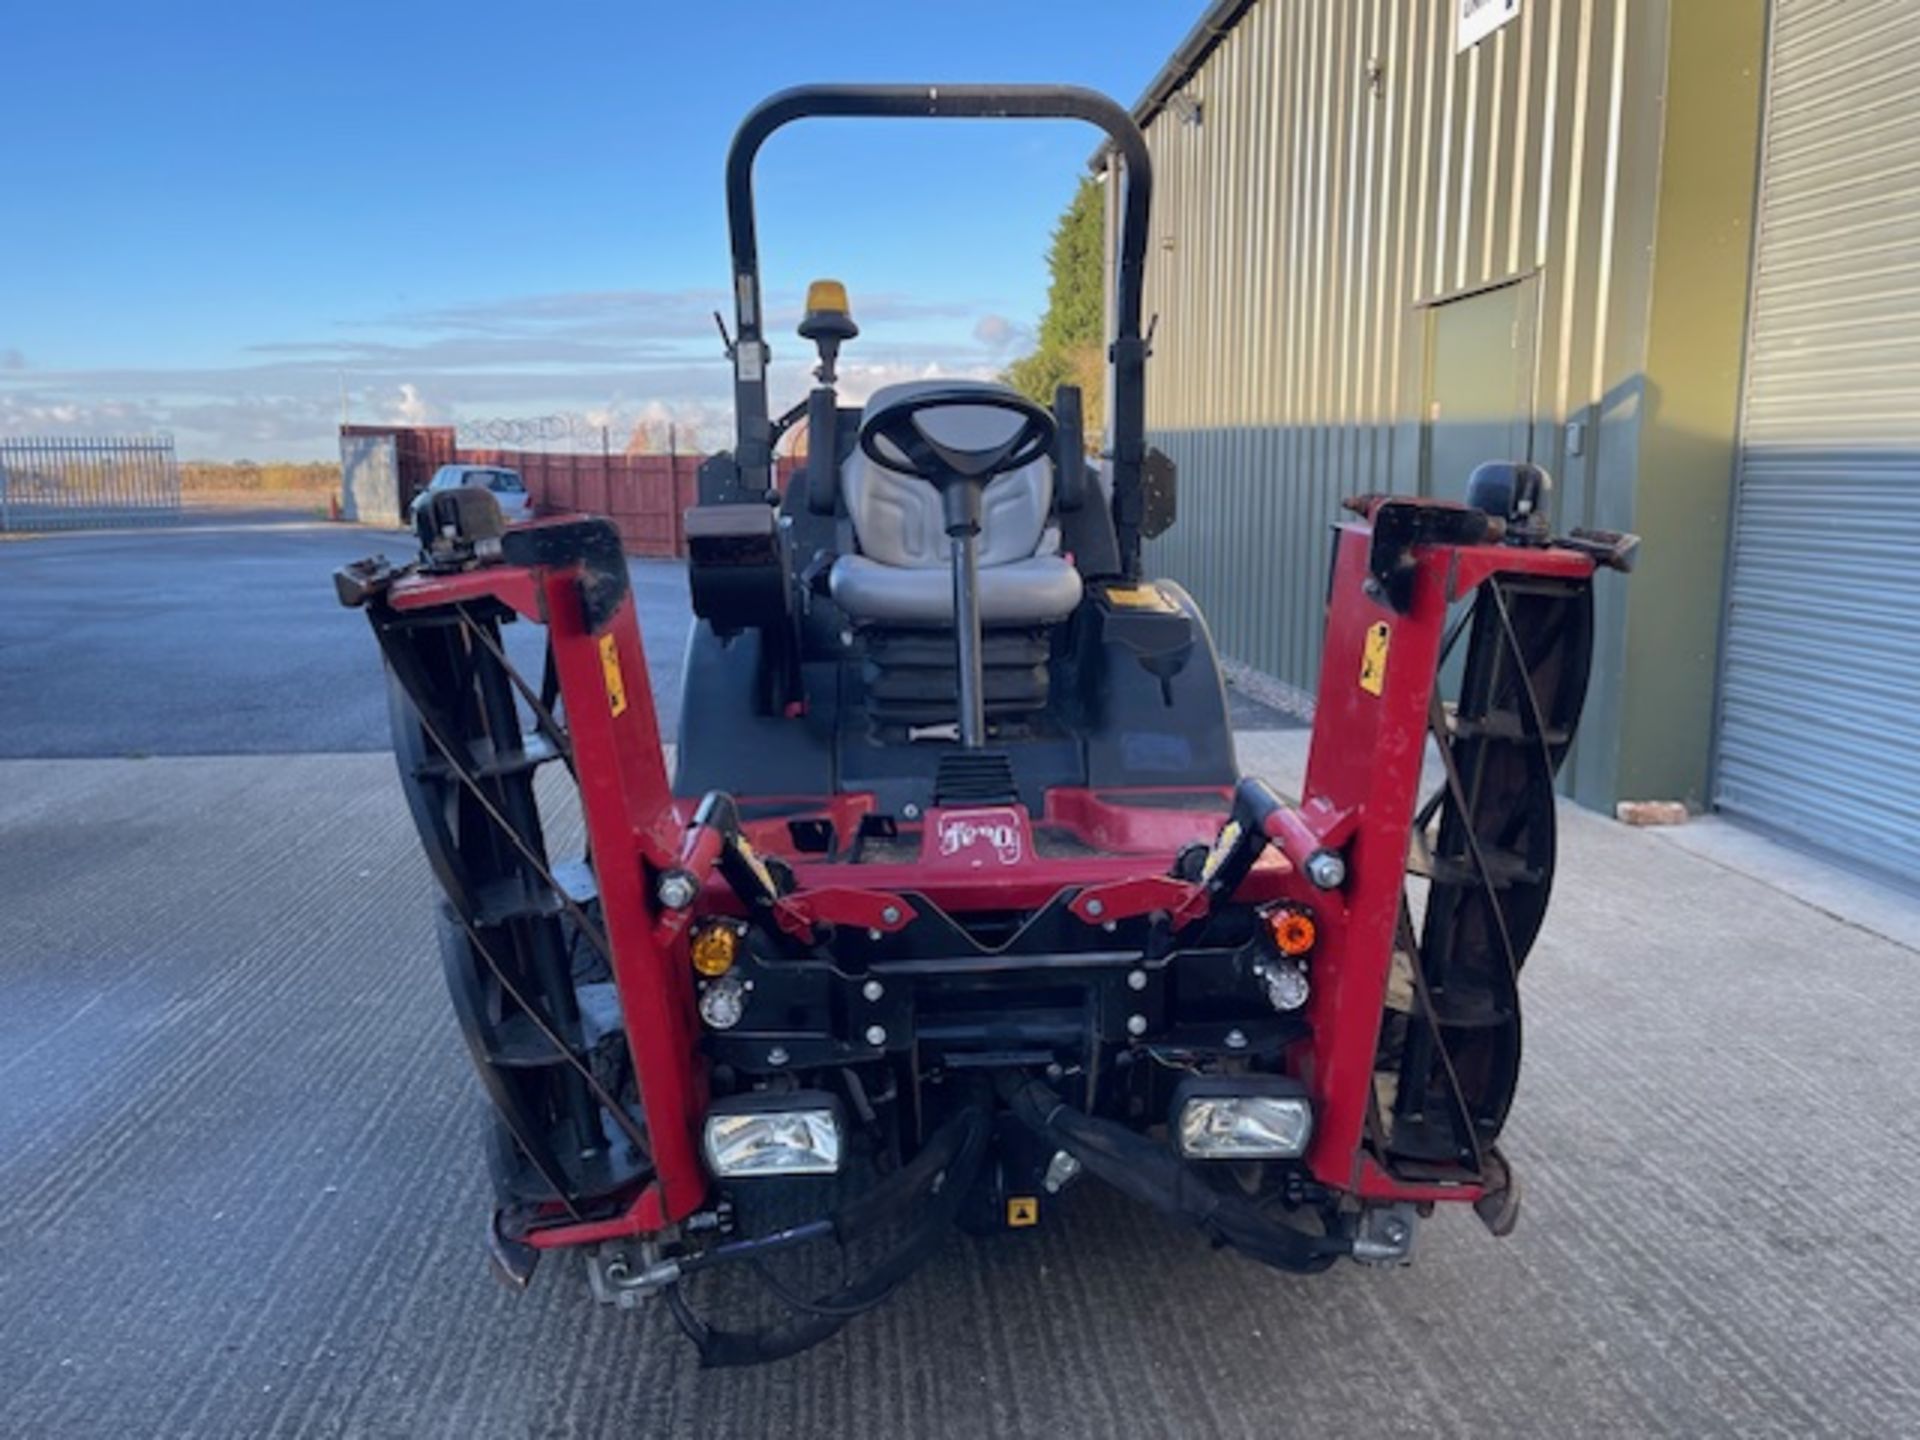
1154 1175
946 1165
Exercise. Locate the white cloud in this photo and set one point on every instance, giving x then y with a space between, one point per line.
411 409
618 359
859 381
53 414
1001 335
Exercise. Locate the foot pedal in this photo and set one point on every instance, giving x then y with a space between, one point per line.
974 777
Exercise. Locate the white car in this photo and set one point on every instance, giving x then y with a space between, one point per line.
508 489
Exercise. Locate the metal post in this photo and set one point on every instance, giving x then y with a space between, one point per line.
966 629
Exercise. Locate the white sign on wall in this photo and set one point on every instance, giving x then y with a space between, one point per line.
1474 20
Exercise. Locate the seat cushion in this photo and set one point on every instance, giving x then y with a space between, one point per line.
897 516
1041 590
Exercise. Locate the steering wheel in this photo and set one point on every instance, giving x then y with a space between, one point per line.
943 465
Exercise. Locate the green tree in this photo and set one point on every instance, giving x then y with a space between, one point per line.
1070 351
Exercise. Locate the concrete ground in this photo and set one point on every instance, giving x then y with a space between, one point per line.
237 1163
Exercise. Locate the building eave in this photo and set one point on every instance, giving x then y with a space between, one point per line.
1202 40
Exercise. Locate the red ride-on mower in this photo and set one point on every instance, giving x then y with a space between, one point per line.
955 891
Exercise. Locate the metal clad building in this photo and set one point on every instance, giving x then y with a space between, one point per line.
1381 256
1822 662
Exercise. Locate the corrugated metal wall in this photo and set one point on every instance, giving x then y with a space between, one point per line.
1344 170
1820 697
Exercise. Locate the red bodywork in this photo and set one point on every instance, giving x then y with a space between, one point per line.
1361 787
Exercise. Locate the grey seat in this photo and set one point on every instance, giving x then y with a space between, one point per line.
903 574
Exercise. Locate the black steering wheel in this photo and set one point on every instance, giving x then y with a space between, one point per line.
919 454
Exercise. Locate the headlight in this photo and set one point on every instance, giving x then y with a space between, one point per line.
1244 1117
793 1133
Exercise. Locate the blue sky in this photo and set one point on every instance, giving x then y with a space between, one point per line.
216 213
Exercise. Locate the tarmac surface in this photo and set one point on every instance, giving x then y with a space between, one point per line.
223 637
239 1169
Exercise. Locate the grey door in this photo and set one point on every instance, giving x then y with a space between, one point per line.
1819 733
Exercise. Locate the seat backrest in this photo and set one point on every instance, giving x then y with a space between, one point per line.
896 516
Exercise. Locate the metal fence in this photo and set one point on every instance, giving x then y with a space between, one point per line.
87 482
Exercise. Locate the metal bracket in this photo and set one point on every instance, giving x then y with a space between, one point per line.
615 1280
364 580
1385 1236
1401 525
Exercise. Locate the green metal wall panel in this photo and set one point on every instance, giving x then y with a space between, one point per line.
1331 170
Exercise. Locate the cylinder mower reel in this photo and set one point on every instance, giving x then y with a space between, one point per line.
954 895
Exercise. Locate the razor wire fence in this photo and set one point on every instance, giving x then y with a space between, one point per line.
66 482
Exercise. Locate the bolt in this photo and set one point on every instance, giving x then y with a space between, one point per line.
1136 979
1236 1040
873 934
1095 908
1394 1232
1061 1170
873 990
1326 869
891 914
1111 926
876 1035
1136 1024
910 811
1055 1070
677 890
777 1055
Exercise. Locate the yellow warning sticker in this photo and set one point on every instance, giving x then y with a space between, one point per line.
1373 659
1222 847
756 864
1022 1210
610 669
1138 597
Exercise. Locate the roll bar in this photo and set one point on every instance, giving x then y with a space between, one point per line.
753 450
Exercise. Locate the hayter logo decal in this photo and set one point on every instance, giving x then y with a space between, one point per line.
998 830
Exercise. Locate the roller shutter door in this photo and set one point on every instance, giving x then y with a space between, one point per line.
1820 686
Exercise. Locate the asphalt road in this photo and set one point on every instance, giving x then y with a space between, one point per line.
223 637
238 1171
